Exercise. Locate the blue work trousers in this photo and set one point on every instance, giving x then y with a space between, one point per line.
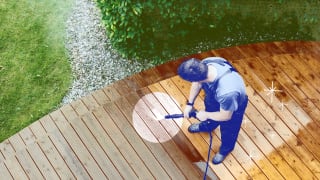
229 129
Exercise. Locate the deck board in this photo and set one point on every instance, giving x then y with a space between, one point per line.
6 149
171 146
122 143
80 149
97 136
115 158
4 171
136 142
15 169
51 152
64 148
25 159
305 102
37 155
158 151
270 115
91 144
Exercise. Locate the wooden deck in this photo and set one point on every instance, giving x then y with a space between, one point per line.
117 132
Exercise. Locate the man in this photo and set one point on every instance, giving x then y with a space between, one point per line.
225 99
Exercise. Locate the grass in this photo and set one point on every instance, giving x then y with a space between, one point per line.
34 70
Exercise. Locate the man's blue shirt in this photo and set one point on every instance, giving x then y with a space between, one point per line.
228 89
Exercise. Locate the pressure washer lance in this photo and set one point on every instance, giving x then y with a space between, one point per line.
193 114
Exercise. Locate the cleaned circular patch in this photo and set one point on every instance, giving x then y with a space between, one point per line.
148 117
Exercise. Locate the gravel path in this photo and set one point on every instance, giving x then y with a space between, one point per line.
94 63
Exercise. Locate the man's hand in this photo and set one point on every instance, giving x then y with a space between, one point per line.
202 115
187 111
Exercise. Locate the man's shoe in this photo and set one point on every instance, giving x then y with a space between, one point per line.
204 126
198 127
218 158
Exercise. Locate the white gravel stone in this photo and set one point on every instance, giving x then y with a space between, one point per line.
94 63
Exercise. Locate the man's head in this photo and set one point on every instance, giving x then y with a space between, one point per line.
193 70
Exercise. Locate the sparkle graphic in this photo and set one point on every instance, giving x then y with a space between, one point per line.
272 91
251 156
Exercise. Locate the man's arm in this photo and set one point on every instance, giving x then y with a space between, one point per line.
194 91
221 115
228 101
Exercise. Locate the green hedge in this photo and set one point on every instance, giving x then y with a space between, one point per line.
161 29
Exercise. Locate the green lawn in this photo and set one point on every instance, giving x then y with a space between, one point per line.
34 70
